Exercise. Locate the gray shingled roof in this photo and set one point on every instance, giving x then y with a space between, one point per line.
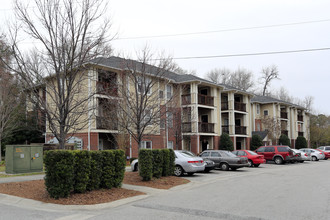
262 134
230 88
122 64
268 100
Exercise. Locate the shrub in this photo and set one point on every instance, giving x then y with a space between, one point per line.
284 140
256 142
301 142
145 164
157 169
172 163
108 170
82 170
166 161
59 179
96 170
226 143
120 165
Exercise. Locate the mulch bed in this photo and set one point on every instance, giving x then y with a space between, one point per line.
36 190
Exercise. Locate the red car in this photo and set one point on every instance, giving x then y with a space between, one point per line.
254 159
279 154
326 154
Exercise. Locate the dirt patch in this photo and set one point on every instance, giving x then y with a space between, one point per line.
36 190
168 182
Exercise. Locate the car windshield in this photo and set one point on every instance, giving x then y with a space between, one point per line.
252 153
228 154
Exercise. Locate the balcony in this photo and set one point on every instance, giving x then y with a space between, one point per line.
240 106
205 100
186 99
224 106
102 123
205 127
225 129
284 115
106 88
300 133
186 127
240 130
286 132
300 118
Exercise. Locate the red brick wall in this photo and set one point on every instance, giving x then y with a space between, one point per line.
216 141
194 144
248 143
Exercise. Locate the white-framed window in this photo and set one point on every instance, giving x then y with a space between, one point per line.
146 144
147 117
265 112
169 116
258 109
168 92
162 123
143 84
170 144
161 94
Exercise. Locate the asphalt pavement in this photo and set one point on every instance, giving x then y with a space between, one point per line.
290 191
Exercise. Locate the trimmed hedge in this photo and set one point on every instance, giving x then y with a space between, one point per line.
145 164
172 163
82 170
166 162
157 169
59 177
96 170
78 171
301 142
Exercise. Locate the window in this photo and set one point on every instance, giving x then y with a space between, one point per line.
147 144
265 112
241 153
144 84
270 149
215 154
261 149
205 154
170 144
169 119
161 94
283 149
147 117
258 109
162 123
168 92
258 127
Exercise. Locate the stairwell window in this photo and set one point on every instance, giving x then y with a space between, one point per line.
144 84
168 92
265 112
258 109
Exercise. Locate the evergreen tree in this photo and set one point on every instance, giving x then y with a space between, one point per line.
284 140
256 142
301 142
226 143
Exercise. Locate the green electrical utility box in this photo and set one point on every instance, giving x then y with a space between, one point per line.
24 159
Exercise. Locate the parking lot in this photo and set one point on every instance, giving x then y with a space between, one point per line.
289 191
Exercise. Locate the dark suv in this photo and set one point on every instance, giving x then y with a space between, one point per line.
278 154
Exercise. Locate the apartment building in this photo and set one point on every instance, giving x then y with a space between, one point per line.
282 118
199 112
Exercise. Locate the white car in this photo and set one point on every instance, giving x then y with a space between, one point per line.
324 148
185 162
315 155
304 156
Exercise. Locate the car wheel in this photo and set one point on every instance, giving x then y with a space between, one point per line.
224 166
190 174
278 160
256 165
250 163
178 171
314 158
136 167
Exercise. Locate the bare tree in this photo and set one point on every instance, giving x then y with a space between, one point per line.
283 94
273 127
144 96
68 34
268 74
219 75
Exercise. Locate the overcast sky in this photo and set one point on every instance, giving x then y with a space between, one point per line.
307 26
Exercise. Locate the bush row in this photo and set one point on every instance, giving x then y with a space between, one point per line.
78 171
156 163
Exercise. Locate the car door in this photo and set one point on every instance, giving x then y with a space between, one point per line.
261 151
205 155
216 157
269 153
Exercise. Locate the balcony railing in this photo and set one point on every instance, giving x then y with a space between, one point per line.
102 123
186 127
240 130
286 132
205 127
300 133
205 100
106 88
225 129
284 115
186 99
240 106
300 118
224 106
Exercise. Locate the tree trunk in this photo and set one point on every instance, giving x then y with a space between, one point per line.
0 150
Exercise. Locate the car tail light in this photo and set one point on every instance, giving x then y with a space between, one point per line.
306 155
195 161
320 152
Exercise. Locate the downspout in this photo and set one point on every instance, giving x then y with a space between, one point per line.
89 113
